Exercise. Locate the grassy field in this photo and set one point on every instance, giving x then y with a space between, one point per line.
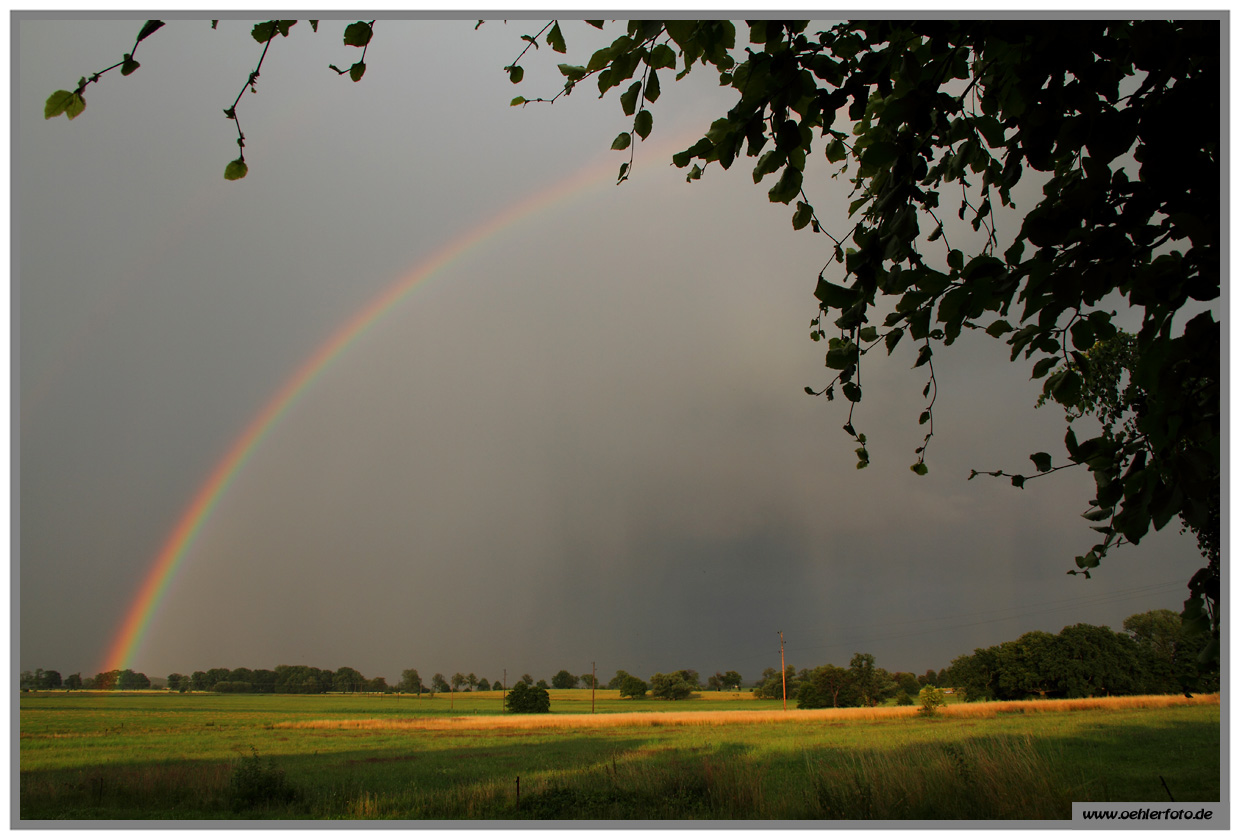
154 755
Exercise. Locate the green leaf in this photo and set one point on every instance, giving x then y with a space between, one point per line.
802 216
768 163
150 28
1018 481
1089 561
1042 366
517 100
1013 254
555 38
1041 460
868 334
129 65
624 167
264 32
314 25
643 123
998 328
628 99
920 468
924 418
955 259
893 338
841 354
652 86
599 60
75 107
852 391
1082 335
58 103
515 74
236 170
662 56
571 71
357 34
622 141
284 26
880 155
835 151
835 297
1067 387
357 71
788 187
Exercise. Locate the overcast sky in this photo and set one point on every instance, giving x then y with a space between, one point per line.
586 440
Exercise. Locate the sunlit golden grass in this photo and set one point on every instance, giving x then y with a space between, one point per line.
734 716
1141 701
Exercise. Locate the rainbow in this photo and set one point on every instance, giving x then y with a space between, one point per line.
137 618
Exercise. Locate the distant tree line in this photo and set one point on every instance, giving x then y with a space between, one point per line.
1154 654
40 680
862 683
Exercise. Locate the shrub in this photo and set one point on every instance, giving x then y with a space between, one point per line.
633 687
256 783
524 699
931 699
564 679
669 687
902 699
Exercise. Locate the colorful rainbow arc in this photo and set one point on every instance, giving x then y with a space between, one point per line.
155 585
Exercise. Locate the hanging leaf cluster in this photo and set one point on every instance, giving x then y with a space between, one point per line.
933 123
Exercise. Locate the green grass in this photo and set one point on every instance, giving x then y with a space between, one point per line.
167 756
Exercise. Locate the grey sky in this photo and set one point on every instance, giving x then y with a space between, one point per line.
586 440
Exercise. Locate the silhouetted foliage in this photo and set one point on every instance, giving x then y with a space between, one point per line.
524 699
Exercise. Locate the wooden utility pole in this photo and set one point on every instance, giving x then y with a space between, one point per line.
783 673
593 684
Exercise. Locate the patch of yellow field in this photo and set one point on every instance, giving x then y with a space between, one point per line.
734 716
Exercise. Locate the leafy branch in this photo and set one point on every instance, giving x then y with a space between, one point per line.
612 65
71 103
264 33
356 35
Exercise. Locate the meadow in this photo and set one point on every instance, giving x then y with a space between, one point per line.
718 755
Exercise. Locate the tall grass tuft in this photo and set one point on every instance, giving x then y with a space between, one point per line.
256 783
976 779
